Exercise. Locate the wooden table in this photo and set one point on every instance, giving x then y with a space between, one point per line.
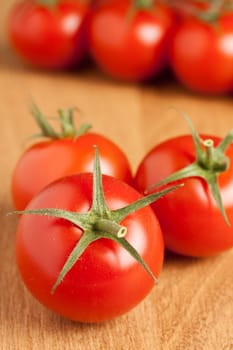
192 307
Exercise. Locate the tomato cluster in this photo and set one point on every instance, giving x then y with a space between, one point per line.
90 217
132 40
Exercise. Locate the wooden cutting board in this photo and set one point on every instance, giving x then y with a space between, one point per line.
192 306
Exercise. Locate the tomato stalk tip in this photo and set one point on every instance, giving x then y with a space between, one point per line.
66 119
106 225
143 4
48 3
213 11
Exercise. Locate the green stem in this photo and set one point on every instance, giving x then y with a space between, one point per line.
133 252
86 239
99 207
46 129
143 4
83 129
225 142
122 213
208 165
48 3
67 124
109 226
209 147
213 12
66 119
78 219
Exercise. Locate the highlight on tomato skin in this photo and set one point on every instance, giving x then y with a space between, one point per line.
106 281
190 219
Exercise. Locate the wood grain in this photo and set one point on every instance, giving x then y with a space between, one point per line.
192 307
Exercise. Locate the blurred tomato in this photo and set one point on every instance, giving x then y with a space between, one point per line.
130 43
49 36
201 54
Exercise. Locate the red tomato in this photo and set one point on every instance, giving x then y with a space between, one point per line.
190 218
105 281
127 43
49 37
201 54
46 161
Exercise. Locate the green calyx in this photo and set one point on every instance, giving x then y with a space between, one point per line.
211 11
100 222
214 10
48 3
210 162
143 4
66 120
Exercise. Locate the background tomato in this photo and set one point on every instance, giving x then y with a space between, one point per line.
46 161
201 54
49 36
190 218
105 281
130 43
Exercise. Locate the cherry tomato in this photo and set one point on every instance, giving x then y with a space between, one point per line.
201 54
190 219
105 281
49 37
130 43
46 161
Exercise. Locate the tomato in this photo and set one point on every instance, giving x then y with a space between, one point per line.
47 160
201 54
50 37
127 43
190 218
106 281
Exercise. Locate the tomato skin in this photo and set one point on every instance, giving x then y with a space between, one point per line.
127 45
50 38
191 222
201 55
106 281
46 161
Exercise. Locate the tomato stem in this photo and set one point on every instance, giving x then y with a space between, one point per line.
226 141
48 3
209 163
110 226
143 4
86 239
212 13
99 206
66 119
122 213
209 144
46 129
